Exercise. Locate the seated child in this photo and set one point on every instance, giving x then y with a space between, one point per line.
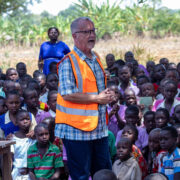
132 117
31 102
130 66
149 121
19 149
36 73
128 56
172 66
147 89
116 119
125 83
176 114
18 88
131 132
141 80
44 159
41 79
8 124
162 118
50 122
8 85
52 82
110 60
150 67
155 152
12 74
26 78
160 92
169 101
126 167
158 75
139 72
136 65
164 62
52 97
33 84
118 63
8 120
3 107
171 161
21 69
177 126
172 74
130 97
104 174
149 124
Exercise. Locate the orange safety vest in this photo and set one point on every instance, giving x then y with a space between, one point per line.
80 116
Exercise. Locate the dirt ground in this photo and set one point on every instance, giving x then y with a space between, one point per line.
144 49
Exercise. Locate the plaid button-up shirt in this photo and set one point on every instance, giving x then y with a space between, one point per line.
68 86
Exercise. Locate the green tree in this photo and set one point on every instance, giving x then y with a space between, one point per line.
10 6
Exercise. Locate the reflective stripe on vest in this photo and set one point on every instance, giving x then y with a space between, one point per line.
80 116
78 72
80 112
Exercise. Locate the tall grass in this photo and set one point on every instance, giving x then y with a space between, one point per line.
140 20
145 49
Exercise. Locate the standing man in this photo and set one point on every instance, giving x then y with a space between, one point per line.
81 119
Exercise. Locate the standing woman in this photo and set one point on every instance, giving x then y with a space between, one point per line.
51 51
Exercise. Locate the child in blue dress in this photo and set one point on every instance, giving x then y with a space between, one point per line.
8 125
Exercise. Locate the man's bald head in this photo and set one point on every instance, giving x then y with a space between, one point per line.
76 24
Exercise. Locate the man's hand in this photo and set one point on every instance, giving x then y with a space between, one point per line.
106 97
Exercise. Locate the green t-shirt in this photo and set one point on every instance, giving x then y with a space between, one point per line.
111 142
44 166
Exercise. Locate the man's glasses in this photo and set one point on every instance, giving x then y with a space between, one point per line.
88 32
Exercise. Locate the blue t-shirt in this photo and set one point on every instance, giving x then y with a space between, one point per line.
49 50
171 164
7 126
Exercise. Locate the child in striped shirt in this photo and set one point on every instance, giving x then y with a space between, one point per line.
171 161
44 159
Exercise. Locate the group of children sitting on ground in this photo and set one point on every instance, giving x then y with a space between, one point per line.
144 121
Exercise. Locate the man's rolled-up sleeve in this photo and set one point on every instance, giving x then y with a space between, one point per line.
66 78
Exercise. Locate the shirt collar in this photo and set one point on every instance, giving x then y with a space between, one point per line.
82 55
35 149
7 118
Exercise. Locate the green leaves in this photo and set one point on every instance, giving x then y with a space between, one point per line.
11 6
141 1
139 19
